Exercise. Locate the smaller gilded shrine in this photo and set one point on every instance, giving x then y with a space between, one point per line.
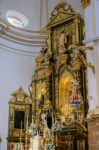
19 117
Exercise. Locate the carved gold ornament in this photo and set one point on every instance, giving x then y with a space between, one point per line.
41 89
67 110
85 3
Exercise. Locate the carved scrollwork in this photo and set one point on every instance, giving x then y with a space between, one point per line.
44 57
85 3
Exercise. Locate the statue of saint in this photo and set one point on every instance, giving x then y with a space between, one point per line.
63 41
44 118
40 101
64 88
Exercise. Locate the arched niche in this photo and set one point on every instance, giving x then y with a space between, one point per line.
65 85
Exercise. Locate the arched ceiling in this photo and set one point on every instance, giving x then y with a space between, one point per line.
31 9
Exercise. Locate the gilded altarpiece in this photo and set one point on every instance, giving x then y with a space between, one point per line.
59 82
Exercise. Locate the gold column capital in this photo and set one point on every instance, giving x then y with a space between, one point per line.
85 3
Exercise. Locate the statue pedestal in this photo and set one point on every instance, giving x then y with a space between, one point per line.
93 129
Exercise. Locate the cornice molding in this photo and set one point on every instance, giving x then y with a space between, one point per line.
22 36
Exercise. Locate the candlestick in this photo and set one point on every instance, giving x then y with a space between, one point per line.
20 137
32 119
21 126
27 120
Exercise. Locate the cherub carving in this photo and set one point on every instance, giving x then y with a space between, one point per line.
76 58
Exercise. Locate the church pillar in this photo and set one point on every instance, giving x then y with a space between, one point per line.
92 39
97 71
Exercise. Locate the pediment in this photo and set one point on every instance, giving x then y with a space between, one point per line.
62 17
60 14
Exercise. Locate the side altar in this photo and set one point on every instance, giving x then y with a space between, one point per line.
58 91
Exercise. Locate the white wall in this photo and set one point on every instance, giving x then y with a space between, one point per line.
96 7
